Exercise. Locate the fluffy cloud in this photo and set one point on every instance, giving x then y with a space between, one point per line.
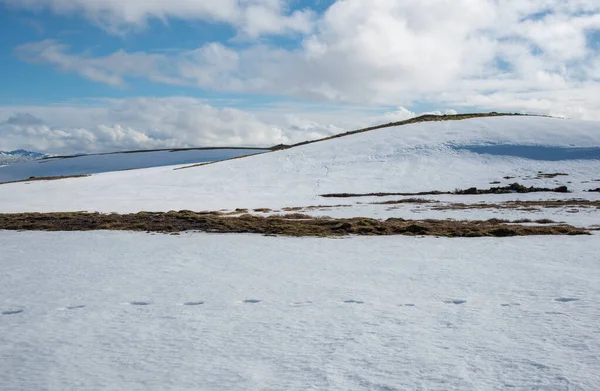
534 55
147 123
251 18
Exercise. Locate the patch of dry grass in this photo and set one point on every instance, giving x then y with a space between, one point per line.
287 225
512 188
542 175
422 118
522 205
407 201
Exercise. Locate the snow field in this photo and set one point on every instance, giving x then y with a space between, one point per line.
388 313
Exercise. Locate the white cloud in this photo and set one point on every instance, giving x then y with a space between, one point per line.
146 123
252 18
531 55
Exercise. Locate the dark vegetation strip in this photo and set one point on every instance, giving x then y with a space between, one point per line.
522 205
154 150
513 188
45 178
287 225
422 118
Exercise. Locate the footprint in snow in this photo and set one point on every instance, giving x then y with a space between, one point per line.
301 303
252 301
140 303
12 312
565 299
457 302
193 303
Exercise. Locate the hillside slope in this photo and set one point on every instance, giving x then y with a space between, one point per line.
413 158
98 163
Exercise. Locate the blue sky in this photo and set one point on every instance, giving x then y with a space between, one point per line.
108 75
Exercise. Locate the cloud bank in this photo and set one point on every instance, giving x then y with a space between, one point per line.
147 123
539 55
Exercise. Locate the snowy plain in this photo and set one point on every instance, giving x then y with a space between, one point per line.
107 311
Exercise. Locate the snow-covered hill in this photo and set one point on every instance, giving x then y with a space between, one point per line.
18 156
413 158
93 164
137 311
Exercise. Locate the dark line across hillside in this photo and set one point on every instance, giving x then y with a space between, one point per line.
422 118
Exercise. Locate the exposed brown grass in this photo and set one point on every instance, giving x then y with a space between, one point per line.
288 225
151 150
407 201
356 195
512 188
292 208
522 205
542 175
45 178
422 118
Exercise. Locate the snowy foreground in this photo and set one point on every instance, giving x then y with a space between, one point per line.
125 311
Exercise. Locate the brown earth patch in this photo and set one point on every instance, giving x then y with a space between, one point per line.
422 118
542 175
407 201
512 188
522 205
287 225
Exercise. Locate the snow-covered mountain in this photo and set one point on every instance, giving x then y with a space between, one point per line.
19 156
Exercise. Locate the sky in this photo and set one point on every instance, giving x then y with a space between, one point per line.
81 76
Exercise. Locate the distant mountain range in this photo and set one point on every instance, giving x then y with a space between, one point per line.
19 156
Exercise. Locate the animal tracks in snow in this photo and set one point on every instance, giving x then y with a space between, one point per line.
12 312
300 303
457 301
565 299
193 303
